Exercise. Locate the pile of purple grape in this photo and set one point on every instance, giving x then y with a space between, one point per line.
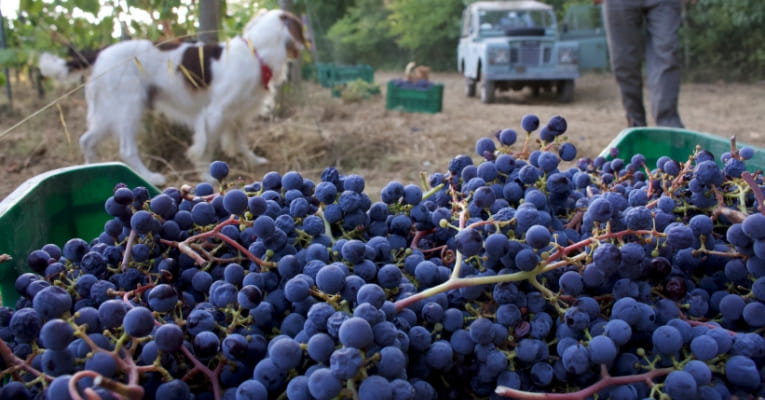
510 276
420 84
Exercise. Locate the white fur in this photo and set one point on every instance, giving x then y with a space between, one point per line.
117 93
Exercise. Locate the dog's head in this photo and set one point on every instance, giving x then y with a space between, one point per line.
278 26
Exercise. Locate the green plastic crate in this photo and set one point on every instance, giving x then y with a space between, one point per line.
677 144
54 207
341 74
323 73
415 100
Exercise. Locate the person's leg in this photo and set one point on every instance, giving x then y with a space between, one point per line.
624 22
663 61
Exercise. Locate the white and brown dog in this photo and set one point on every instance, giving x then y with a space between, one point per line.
210 88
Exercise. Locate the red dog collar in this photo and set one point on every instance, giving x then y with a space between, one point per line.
265 71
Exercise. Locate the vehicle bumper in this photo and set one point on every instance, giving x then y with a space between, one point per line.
521 73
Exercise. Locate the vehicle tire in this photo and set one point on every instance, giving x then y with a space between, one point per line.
487 91
566 91
470 87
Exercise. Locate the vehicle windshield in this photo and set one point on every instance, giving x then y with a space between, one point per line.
500 22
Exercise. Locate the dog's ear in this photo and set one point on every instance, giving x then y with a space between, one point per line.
295 28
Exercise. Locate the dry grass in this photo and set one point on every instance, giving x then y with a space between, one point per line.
363 137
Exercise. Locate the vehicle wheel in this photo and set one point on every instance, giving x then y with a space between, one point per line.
566 91
469 87
487 91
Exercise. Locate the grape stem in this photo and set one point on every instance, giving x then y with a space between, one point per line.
605 381
749 179
128 250
185 246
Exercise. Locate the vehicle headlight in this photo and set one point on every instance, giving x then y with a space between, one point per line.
567 56
499 56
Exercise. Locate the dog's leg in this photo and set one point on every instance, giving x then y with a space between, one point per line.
251 159
88 141
127 131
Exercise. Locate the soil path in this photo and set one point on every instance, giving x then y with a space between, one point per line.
363 137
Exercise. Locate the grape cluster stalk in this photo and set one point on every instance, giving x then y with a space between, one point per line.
507 275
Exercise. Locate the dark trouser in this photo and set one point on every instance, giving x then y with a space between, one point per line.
639 29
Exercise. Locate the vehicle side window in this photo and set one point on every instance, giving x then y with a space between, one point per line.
466 23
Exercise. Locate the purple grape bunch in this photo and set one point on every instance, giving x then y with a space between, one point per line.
518 272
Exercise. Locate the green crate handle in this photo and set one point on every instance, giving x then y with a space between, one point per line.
53 207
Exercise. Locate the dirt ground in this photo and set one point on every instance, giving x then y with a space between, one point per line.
363 137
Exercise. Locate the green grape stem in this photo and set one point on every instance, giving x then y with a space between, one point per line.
749 179
605 381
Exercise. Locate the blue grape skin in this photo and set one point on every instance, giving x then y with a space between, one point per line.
542 374
619 331
754 314
439 355
371 293
667 340
507 136
138 322
680 385
742 371
52 302
320 347
571 283
206 345
323 385
162 298
392 362
219 170
538 236
602 349
576 359
103 363
59 388
345 363
57 363
567 151
532 350
375 387
356 332
530 122
56 334
175 389
169 338
286 354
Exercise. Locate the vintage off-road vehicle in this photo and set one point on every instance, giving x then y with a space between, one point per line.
509 45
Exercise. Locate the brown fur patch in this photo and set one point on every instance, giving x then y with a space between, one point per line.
168 45
295 27
198 75
83 59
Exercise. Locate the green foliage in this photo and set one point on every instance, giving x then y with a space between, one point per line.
428 28
361 35
724 39
358 90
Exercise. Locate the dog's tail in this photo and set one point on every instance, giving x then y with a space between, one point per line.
68 71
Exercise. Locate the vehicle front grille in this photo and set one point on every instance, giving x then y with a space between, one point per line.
530 52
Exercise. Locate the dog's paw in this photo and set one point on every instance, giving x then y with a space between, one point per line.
195 153
252 160
156 179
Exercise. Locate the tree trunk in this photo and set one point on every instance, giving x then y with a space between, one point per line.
289 91
209 20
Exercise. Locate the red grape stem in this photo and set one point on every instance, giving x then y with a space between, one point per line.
15 364
186 246
212 375
130 391
128 250
605 381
